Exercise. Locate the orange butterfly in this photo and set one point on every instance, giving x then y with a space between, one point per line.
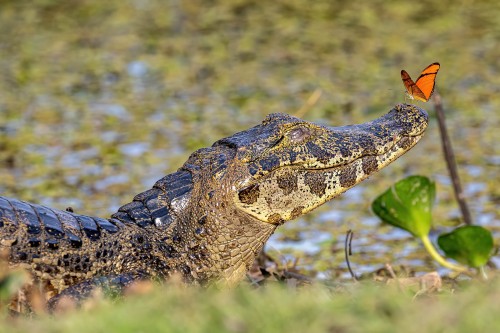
423 88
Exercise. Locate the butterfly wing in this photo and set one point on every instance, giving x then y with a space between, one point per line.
412 89
427 80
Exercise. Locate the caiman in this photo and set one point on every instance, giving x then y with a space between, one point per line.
209 220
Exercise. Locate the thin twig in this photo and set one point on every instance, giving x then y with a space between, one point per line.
311 101
391 271
450 160
393 275
348 252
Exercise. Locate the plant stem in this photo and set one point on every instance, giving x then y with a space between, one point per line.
311 101
450 161
483 273
436 256
348 252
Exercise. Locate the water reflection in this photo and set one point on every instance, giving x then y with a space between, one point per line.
309 242
118 179
115 110
134 149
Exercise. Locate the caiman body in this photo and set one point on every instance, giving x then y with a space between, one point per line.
209 220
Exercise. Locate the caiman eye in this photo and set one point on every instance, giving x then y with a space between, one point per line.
299 134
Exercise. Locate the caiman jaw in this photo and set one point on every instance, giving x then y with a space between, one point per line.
329 164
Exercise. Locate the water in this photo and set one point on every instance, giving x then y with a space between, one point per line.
90 122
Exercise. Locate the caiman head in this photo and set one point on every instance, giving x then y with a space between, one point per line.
289 166
249 183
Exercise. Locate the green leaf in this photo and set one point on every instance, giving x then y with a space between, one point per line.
471 245
407 205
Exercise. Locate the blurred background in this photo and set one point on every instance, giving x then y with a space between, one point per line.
99 99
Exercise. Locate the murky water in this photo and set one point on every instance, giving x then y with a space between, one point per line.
97 108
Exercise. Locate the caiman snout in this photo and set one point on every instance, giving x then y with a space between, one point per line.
343 145
290 178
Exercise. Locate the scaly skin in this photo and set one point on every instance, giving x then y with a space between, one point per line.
209 220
